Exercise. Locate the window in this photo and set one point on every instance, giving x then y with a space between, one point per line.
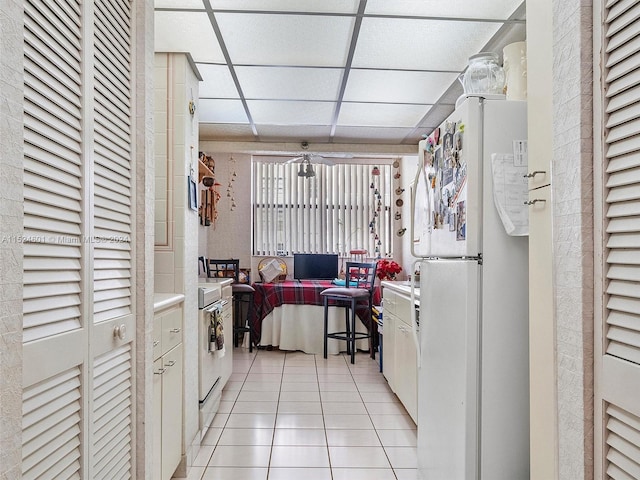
342 207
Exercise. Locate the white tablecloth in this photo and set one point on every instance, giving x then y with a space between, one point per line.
300 327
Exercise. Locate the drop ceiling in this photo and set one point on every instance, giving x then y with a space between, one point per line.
331 72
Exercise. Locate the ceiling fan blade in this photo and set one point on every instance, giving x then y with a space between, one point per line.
323 160
294 160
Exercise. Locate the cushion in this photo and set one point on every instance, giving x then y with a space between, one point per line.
270 271
345 292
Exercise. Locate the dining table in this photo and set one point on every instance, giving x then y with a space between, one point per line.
269 296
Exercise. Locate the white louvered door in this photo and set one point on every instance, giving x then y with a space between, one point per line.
78 402
617 360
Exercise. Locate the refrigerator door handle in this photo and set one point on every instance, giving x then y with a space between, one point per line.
414 323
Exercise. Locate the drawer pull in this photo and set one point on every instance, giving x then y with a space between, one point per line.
533 174
533 202
175 330
171 363
156 343
160 372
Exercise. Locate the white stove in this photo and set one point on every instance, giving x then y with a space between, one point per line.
213 364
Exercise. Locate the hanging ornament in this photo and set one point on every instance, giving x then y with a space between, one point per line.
375 171
372 185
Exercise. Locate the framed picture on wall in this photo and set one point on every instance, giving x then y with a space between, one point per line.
192 188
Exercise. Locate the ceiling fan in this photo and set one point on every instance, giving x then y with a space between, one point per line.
307 159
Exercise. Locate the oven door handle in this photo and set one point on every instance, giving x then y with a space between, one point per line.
213 307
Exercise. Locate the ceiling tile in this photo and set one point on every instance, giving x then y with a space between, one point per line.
420 44
282 133
187 32
327 6
488 9
303 40
381 115
291 113
289 83
179 4
371 134
397 86
235 132
221 111
217 82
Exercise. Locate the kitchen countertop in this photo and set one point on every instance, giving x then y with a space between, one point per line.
401 286
223 282
164 300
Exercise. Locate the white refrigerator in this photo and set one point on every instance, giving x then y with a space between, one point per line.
473 386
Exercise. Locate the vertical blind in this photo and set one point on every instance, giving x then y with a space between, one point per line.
342 207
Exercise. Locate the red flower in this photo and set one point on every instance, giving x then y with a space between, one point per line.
387 269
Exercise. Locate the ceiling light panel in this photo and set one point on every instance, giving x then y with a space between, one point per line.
289 83
221 111
420 44
179 4
371 134
381 115
304 40
486 9
217 82
396 86
187 32
326 6
293 112
282 133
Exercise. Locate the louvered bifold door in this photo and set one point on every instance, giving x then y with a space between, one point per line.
620 373
113 321
78 417
54 338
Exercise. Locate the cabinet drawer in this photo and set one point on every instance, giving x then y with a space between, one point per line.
171 329
403 308
389 298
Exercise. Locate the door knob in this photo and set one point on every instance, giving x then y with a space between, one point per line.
120 331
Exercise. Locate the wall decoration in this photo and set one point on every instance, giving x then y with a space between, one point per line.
232 178
192 188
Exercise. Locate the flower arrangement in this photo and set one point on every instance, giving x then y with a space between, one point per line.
387 269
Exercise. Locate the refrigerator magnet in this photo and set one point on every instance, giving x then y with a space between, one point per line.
399 202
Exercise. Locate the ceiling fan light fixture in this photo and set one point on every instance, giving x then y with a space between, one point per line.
310 172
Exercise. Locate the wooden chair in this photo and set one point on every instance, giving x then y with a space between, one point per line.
359 284
242 294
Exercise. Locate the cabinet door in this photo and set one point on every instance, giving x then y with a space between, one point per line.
171 411
157 418
406 379
389 347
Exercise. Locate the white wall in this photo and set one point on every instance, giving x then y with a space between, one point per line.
230 235
572 191
409 166
176 266
11 218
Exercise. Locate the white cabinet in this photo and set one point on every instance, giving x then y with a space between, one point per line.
400 358
389 345
167 392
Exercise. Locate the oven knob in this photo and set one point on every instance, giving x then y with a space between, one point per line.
120 332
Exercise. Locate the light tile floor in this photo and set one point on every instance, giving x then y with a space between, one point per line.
290 415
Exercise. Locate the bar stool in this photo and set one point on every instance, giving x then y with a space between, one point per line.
359 282
241 292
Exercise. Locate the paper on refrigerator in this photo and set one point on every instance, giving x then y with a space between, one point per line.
510 192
